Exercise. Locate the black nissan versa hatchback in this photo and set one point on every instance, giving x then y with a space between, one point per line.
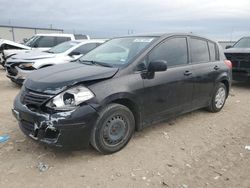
126 84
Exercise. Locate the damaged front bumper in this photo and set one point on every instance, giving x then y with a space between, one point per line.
19 76
70 130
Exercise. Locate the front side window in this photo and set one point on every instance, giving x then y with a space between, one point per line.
174 51
199 50
46 41
42 41
119 51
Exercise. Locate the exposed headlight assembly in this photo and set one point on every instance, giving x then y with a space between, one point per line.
70 98
27 66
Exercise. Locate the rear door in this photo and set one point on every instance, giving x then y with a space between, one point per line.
170 92
204 58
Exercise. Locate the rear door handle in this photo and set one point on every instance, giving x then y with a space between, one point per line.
187 73
216 67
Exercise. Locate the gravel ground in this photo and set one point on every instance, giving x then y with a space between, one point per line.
199 149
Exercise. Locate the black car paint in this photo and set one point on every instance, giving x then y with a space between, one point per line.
151 97
64 75
240 58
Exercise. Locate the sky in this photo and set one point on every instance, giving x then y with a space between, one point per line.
219 20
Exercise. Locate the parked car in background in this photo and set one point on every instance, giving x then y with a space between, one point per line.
239 55
126 84
7 44
225 44
19 66
40 42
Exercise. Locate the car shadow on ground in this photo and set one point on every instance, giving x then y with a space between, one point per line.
90 152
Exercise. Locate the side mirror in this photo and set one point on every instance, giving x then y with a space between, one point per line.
74 53
228 46
157 66
25 40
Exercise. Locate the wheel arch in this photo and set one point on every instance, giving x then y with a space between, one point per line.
224 79
130 102
226 83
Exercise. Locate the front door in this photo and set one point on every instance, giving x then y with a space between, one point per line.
170 92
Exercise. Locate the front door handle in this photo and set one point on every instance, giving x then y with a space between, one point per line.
216 67
187 73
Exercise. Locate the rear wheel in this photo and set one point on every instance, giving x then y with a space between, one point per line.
113 130
219 98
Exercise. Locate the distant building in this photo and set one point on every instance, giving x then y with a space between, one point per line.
17 33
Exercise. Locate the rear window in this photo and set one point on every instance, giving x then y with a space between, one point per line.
199 51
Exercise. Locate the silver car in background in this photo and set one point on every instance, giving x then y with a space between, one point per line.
39 42
19 66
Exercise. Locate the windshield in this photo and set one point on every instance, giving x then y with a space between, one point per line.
63 47
243 43
31 41
118 51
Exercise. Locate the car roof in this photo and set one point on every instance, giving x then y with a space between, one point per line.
55 34
164 35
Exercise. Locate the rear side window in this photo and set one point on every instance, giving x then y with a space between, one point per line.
199 51
212 50
86 48
173 50
60 40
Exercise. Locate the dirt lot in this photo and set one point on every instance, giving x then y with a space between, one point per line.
199 149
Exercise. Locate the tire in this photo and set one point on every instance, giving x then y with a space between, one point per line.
113 129
218 98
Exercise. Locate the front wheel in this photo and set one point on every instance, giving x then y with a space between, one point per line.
113 130
219 98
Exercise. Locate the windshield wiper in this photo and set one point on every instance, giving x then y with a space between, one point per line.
90 62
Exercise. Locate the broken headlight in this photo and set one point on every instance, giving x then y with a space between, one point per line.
26 66
70 98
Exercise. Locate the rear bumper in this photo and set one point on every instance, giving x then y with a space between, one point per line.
68 130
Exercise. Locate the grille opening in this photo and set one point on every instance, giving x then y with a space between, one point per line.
34 99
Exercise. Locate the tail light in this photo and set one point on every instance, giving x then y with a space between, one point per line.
228 63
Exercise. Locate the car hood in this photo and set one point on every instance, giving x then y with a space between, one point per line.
54 79
33 55
237 50
2 42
